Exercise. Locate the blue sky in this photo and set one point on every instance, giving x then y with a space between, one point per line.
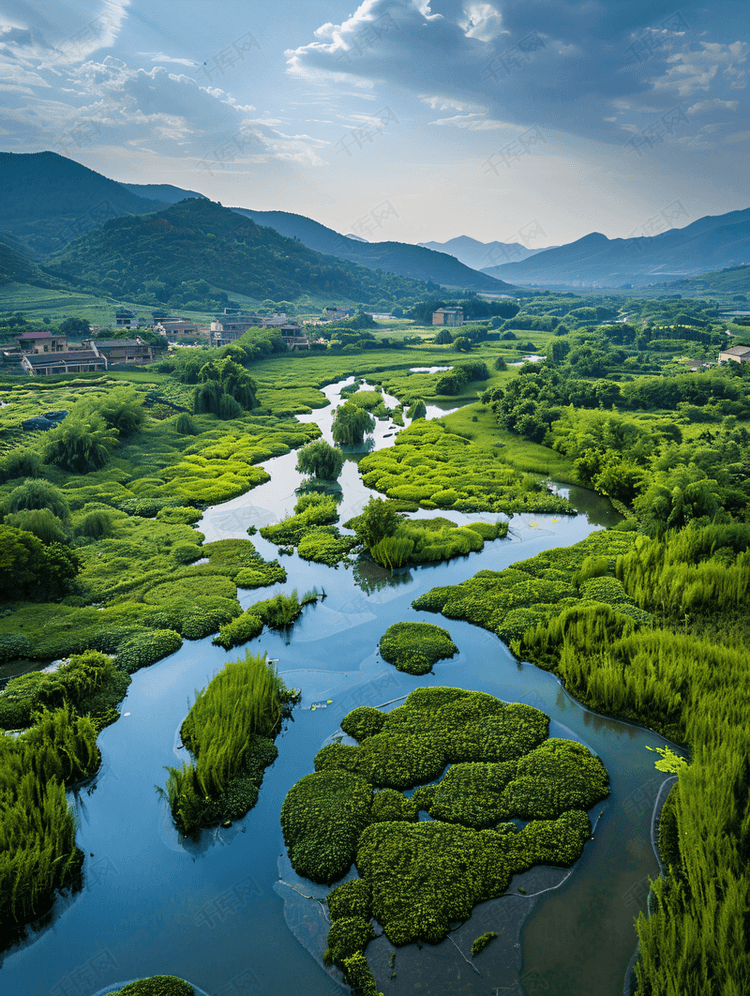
518 120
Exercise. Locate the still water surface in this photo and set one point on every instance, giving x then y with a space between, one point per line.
227 912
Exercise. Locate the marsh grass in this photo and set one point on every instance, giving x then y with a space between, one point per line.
229 731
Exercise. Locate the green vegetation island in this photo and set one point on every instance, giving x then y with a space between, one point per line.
105 477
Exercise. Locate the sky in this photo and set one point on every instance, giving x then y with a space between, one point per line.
532 121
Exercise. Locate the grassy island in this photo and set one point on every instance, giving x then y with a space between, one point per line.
229 731
415 647
416 877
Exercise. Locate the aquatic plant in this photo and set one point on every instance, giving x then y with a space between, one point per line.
480 943
320 460
276 613
440 469
417 877
157 985
415 647
229 731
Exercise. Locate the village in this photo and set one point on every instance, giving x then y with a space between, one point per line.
43 353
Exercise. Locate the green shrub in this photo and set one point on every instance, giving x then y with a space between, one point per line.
179 514
480 943
41 522
157 985
363 722
322 818
229 731
95 525
350 899
147 648
389 805
415 647
347 936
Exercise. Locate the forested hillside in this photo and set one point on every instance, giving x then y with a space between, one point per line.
194 249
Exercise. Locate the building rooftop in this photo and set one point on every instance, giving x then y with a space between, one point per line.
43 334
71 356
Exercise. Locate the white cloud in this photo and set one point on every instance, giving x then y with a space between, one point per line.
713 105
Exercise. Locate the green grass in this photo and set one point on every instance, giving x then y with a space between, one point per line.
476 422
415 647
417 877
229 731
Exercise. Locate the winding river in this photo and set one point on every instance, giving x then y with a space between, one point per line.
227 912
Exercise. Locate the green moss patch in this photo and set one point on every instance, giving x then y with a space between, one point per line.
439 469
415 647
534 592
418 877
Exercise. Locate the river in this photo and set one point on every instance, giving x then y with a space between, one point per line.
226 912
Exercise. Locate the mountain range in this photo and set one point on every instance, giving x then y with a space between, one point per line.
48 201
710 243
195 253
481 255
402 258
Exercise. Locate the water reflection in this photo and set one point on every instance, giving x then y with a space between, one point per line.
371 577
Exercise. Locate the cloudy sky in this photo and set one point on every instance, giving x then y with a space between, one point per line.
518 120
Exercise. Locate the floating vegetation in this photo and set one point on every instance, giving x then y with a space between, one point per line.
543 589
229 731
439 469
157 985
394 541
480 943
417 877
312 531
415 647
278 612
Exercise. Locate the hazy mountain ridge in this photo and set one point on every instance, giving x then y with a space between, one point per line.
167 193
201 247
400 258
46 200
481 255
708 244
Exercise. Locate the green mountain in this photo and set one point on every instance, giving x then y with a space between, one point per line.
733 280
164 192
400 258
47 200
197 250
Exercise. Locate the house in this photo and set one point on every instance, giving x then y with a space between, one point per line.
178 328
130 351
735 354
72 361
448 316
42 342
124 319
293 336
337 314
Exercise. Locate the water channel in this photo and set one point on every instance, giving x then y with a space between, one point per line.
227 912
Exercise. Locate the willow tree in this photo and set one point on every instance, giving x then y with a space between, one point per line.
318 459
351 423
